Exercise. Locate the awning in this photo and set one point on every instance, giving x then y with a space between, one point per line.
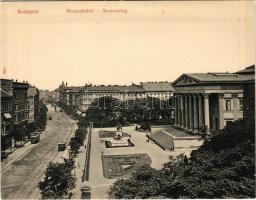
7 116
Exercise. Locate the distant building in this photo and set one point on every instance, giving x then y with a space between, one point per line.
49 96
209 100
161 90
72 96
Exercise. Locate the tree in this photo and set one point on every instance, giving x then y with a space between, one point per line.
74 145
223 167
58 180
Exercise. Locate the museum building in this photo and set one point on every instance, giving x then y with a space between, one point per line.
209 101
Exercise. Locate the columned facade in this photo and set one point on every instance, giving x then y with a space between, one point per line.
207 102
192 111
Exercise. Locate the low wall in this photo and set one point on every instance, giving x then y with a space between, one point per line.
187 143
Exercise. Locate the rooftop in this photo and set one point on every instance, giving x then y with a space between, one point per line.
247 70
157 86
115 88
220 77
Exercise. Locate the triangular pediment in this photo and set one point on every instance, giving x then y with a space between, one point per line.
185 80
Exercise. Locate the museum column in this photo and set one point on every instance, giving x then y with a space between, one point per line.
221 108
176 113
182 110
190 108
206 113
200 112
195 104
186 111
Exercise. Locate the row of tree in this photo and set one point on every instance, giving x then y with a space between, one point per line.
223 167
78 140
109 112
58 180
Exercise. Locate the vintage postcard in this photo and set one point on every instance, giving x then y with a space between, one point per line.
127 99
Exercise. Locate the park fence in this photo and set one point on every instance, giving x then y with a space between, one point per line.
87 157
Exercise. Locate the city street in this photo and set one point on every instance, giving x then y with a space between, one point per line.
25 167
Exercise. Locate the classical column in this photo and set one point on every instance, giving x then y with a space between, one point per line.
221 108
182 110
186 112
235 105
178 110
206 112
200 112
195 104
176 113
190 110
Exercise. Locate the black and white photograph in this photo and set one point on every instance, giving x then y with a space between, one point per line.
127 99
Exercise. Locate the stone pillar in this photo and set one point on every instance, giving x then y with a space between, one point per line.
235 105
206 113
186 112
190 110
182 110
200 112
195 108
221 108
176 113
178 110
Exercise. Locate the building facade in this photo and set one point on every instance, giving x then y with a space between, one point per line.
19 108
249 98
33 101
85 95
209 101
160 90
6 113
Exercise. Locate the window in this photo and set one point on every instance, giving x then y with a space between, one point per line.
241 103
15 118
5 106
228 122
228 104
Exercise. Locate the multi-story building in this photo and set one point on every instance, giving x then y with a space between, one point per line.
161 90
19 107
84 96
209 100
6 113
20 103
122 93
249 97
33 99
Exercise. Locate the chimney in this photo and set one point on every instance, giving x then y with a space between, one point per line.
66 84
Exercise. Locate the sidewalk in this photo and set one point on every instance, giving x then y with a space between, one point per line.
78 172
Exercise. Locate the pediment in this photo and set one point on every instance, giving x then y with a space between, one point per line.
185 80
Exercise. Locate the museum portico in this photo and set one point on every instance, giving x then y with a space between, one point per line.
208 101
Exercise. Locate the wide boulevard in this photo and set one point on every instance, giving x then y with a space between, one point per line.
24 168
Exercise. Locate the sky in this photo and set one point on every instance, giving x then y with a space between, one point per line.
152 41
